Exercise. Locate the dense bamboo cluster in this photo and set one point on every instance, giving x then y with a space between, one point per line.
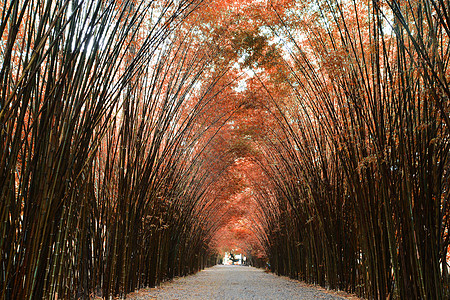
100 139
359 169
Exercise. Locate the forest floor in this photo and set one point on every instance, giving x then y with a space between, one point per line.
236 282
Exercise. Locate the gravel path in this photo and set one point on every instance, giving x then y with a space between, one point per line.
234 282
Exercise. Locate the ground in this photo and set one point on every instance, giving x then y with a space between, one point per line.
236 282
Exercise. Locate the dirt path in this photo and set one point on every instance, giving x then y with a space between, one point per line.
234 282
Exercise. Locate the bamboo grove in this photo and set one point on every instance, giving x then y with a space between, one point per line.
357 172
125 135
100 140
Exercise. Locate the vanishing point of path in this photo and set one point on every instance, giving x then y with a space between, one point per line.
234 282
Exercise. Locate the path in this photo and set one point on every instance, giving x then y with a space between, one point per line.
234 282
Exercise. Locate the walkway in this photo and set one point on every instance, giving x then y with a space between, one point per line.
234 282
